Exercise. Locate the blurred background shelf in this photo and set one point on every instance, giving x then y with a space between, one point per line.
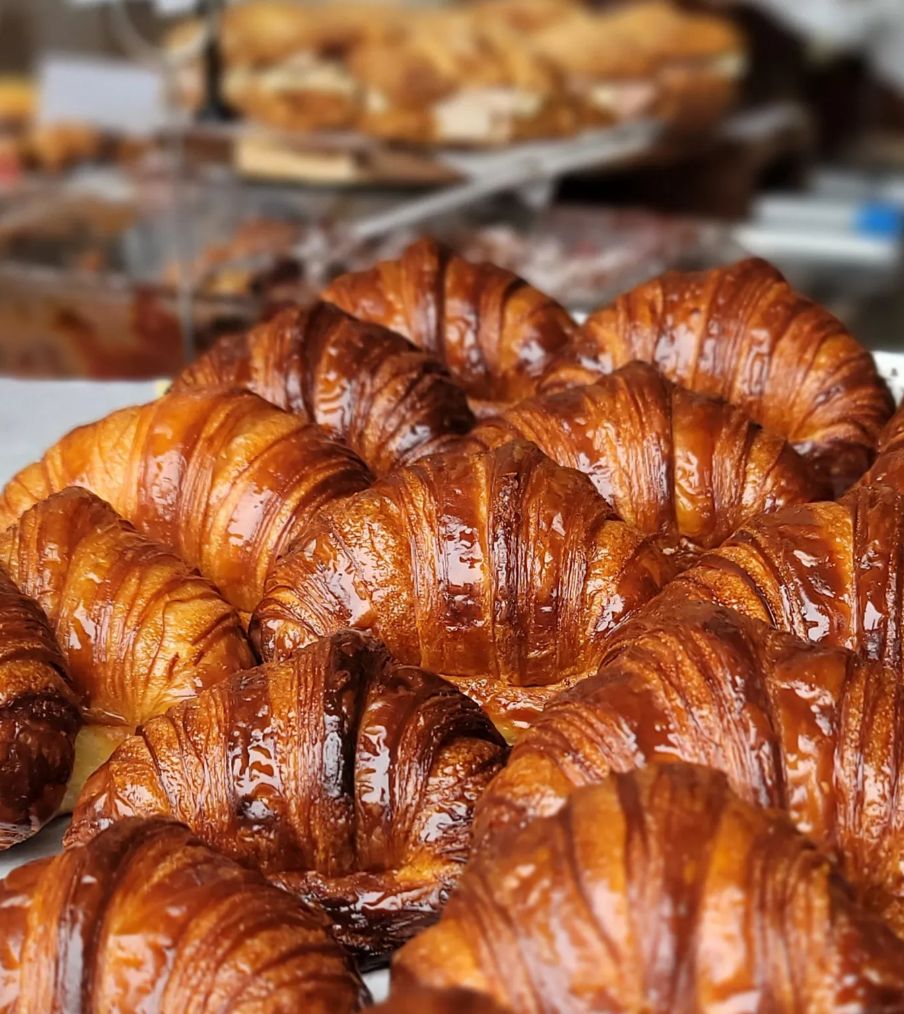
129 241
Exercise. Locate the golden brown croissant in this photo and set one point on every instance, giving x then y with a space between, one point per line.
672 463
888 468
500 570
39 717
659 891
493 331
825 572
417 999
139 629
147 918
815 731
742 333
224 479
344 776
366 386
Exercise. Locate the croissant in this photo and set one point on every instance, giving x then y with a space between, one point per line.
743 334
366 386
825 572
815 731
224 479
888 468
39 717
493 331
139 629
147 918
659 891
499 570
417 999
682 466
345 777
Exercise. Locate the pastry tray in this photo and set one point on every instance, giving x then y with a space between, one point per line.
53 407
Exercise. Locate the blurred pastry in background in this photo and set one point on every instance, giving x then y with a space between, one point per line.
303 93
699 60
525 15
649 58
449 81
232 268
609 76
55 147
264 32
18 103
483 73
286 63
298 79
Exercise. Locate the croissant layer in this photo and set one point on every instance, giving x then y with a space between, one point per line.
365 385
224 479
500 570
493 331
147 918
39 717
742 333
140 630
344 776
888 468
815 731
672 463
660 891
826 572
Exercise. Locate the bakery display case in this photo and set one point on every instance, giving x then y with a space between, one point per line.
451 506
84 292
117 288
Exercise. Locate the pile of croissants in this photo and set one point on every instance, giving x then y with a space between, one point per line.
560 663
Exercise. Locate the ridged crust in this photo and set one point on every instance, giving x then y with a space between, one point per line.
742 333
140 630
690 900
888 468
365 385
826 572
815 731
342 775
224 479
493 331
500 570
39 717
688 468
145 917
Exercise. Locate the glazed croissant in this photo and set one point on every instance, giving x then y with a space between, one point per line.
344 776
39 717
672 463
366 386
742 333
224 479
139 629
500 570
417 999
888 468
659 891
825 572
493 331
815 731
147 918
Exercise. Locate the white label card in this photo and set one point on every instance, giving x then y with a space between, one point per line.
163 6
112 94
